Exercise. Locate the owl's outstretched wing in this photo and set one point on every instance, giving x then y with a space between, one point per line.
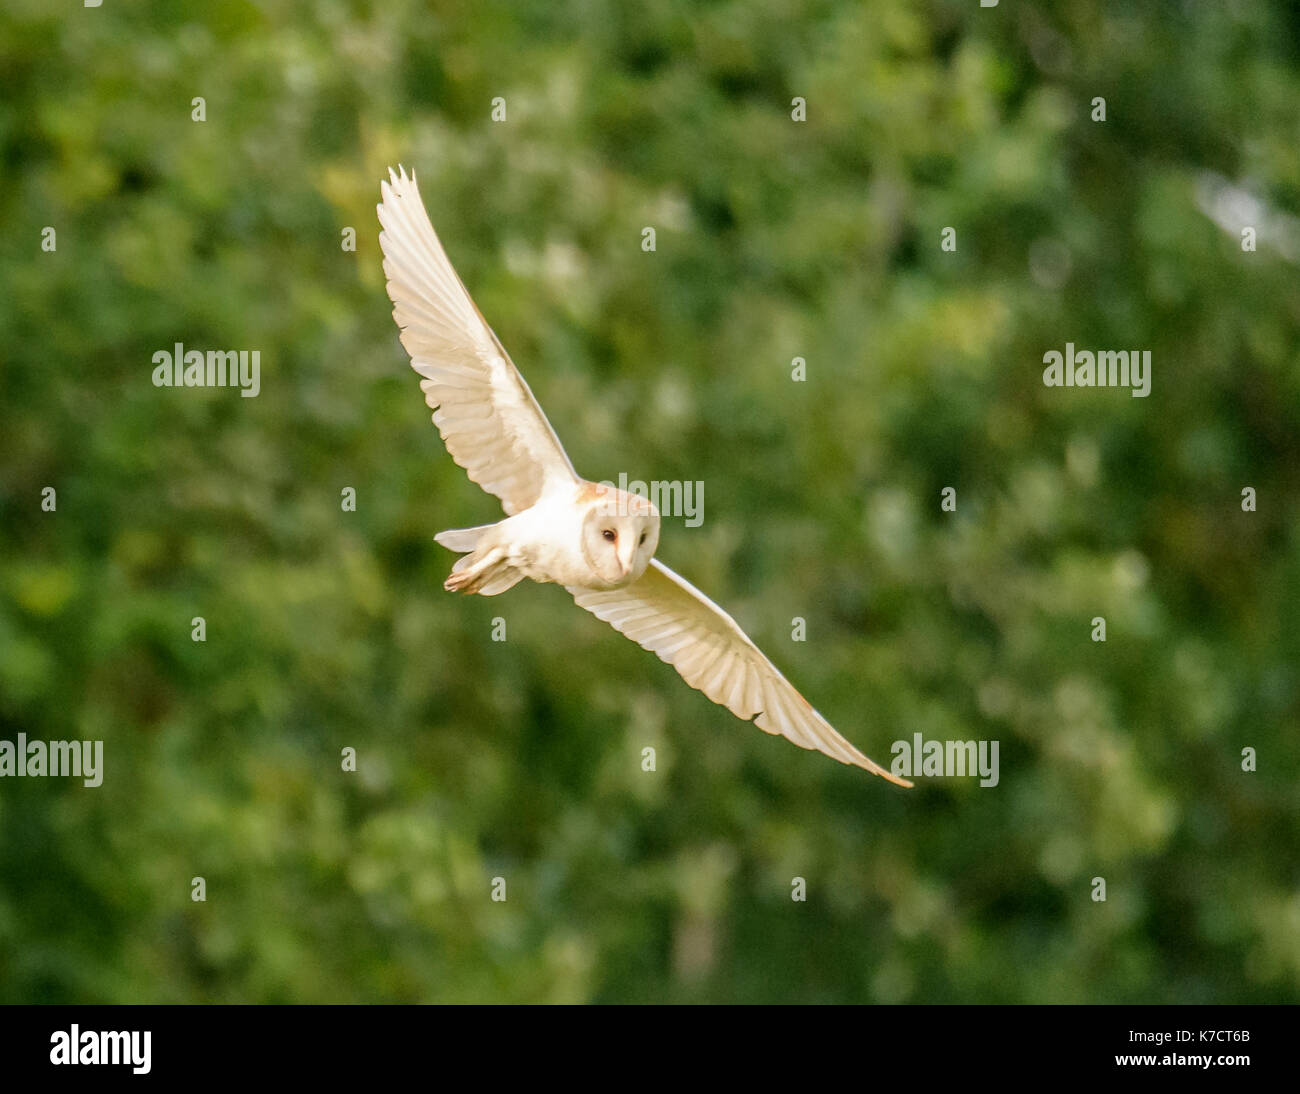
488 418
667 615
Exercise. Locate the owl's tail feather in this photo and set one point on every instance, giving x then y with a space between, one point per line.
462 539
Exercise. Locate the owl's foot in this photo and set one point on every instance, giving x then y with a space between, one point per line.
470 572
486 576
461 582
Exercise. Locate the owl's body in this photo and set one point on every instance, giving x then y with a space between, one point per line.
564 538
596 541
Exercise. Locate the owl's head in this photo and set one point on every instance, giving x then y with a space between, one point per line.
620 534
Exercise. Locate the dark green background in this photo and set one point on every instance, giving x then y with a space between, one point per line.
329 629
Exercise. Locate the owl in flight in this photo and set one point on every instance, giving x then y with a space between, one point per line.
597 541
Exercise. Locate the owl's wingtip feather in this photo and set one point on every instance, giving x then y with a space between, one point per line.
897 780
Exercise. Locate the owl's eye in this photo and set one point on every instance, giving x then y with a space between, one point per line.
610 534
642 537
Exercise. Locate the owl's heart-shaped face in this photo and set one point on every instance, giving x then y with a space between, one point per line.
619 536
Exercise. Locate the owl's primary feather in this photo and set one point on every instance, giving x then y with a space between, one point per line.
559 527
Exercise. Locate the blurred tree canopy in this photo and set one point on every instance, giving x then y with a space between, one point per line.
776 239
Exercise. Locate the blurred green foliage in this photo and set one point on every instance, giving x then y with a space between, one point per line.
776 239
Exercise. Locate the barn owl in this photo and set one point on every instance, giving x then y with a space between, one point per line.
596 541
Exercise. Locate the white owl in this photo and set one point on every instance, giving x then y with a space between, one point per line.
598 542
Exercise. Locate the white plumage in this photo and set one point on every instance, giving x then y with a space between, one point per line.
597 542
